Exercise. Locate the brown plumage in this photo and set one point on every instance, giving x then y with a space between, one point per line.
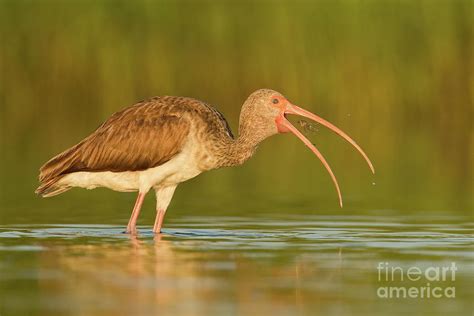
163 141
128 139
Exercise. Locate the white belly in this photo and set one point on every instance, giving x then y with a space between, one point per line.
180 168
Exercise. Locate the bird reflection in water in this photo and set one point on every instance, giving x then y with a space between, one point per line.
143 276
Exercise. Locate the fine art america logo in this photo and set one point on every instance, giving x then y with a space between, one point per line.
415 282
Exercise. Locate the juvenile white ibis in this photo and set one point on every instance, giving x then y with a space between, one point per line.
163 141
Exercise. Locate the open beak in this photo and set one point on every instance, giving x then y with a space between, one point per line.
284 126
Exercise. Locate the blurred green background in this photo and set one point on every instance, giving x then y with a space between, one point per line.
398 76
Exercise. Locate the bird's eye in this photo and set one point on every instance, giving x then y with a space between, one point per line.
275 101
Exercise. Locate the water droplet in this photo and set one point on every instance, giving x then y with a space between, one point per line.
308 126
373 183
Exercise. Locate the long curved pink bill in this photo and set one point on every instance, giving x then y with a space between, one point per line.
293 109
298 134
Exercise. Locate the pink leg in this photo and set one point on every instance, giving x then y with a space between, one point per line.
159 221
163 198
132 223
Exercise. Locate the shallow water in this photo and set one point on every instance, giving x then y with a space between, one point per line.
394 75
234 265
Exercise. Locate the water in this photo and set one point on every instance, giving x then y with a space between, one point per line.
245 240
227 265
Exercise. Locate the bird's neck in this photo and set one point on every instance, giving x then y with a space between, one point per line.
244 147
237 151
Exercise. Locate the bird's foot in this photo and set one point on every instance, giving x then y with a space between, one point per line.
131 231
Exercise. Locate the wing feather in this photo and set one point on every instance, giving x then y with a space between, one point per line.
139 137
132 144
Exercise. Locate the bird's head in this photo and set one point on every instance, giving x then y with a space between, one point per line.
264 114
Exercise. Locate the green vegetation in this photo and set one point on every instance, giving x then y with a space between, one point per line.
397 76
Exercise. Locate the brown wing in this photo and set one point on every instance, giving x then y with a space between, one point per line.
139 137
142 136
132 144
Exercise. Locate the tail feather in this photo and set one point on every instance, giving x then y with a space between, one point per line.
58 164
53 170
51 188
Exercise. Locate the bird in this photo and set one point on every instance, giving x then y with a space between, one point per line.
165 140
